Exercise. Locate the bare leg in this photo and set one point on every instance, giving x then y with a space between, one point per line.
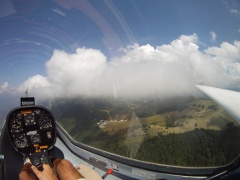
65 170
27 173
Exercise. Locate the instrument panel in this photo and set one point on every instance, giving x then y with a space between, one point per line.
31 129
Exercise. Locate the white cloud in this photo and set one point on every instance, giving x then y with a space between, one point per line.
234 11
229 57
69 74
165 70
4 87
213 36
232 6
226 52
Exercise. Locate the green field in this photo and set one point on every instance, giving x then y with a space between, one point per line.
199 114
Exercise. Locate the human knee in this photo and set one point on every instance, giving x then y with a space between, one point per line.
26 172
25 175
64 164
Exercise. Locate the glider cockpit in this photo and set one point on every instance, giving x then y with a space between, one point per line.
32 132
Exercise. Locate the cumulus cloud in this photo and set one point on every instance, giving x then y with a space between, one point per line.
213 36
226 52
142 71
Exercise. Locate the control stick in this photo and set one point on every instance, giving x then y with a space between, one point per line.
37 162
38 159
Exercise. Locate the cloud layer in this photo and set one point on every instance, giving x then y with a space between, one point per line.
166 70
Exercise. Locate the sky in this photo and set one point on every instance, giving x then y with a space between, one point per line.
128 48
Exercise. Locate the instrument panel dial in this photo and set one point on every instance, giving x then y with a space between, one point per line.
20 141
15 124
45 121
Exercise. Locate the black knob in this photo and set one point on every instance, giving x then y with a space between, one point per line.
37 162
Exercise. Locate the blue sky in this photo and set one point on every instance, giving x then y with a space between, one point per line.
31 31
